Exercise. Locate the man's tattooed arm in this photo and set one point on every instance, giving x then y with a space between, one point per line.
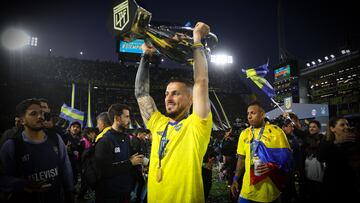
142 90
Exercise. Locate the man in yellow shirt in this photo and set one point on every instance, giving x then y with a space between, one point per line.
263 159
179 139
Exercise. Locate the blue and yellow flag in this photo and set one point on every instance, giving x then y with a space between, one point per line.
257 75
71 114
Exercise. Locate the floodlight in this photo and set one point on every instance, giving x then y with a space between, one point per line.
14 38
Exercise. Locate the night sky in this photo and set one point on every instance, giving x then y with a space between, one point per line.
247 30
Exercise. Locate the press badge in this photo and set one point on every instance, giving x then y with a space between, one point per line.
117 149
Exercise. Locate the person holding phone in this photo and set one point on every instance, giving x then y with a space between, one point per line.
114 159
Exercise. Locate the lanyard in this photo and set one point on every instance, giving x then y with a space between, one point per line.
164 141
255 142
162 144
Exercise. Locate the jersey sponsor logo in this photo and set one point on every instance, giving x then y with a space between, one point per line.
117 150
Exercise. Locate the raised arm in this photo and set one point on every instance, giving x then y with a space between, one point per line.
142 86
201 104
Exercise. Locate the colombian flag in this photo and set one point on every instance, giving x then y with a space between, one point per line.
257 76
277 156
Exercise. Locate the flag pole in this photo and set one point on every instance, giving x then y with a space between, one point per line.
277 104
89 121
72 95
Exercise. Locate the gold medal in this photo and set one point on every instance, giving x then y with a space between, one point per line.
159 174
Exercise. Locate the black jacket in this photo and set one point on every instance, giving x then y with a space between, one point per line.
116 172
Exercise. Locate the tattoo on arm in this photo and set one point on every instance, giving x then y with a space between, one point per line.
147 107
142 90
142 80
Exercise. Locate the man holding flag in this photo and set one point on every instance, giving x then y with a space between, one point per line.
263 159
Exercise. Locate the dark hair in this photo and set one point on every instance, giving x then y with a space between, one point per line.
87 131
330 136
256 103
116 110
316 122
104 116
24 105
281 121
43 100
293 116
187 82
75 123
285 122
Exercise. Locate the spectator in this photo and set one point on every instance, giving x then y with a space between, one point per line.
138 145
25 174
290 193
72 140
314 170
340 152
300 135
114 159
103 124
87 141
10 133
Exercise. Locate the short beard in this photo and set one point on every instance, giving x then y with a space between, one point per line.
172 115
35 129
179 115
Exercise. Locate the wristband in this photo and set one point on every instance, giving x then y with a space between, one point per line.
197 45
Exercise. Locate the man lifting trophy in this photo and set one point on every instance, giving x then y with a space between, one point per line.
131 22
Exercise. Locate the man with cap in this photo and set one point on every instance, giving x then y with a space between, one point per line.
72 140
